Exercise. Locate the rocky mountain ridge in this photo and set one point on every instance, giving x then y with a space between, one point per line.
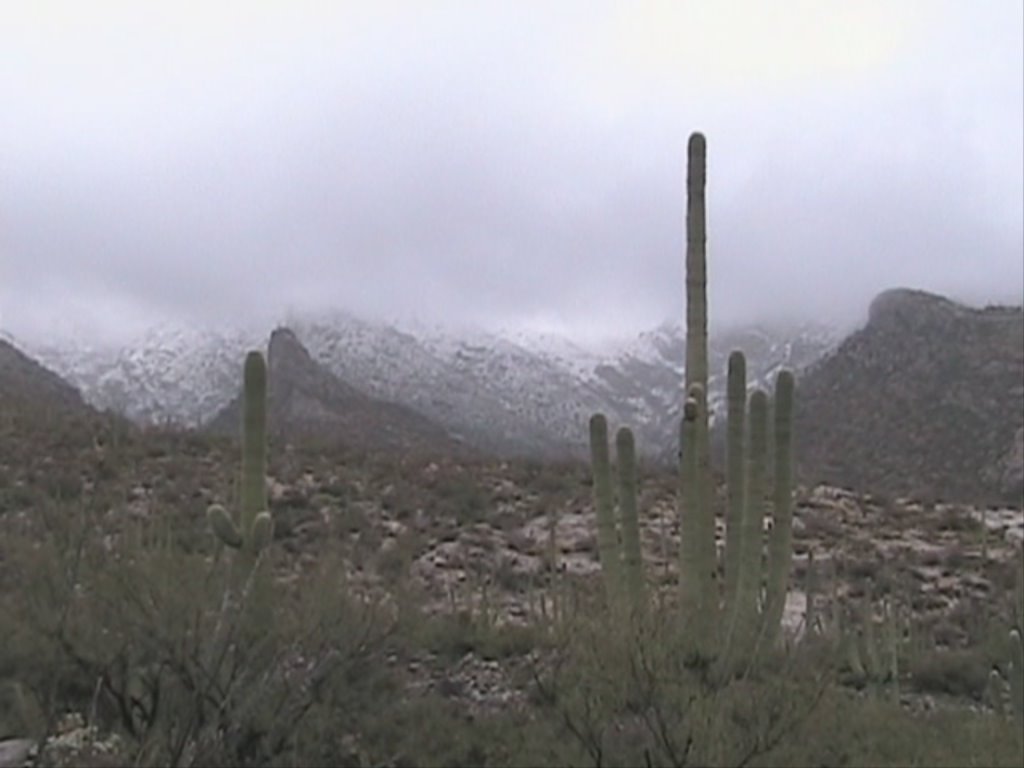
927 399
23 379
505 393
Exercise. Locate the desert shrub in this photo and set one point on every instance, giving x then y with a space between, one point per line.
154 642
954 672
632 697
463 497
847 729
431 730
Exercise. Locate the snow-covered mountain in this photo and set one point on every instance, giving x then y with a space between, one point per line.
178 375
507 392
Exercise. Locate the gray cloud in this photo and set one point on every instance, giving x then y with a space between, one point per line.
502 166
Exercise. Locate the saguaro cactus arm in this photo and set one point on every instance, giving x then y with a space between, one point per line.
780 543
744 622
735 471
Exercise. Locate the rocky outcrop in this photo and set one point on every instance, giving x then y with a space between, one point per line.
926 400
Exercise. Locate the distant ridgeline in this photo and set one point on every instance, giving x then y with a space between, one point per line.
926 400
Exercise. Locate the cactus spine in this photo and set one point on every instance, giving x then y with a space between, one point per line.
253 528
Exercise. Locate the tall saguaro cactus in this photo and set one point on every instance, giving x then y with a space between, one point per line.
741 618
698 518
252 529
745 619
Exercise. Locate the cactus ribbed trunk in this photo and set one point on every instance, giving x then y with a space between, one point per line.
745 621
699 564
735 429
250 530
697 547
625 451
696 265
253 490
687 500
607 537
780 543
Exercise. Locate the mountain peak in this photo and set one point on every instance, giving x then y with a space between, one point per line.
283 335
903 306
305 400
287 357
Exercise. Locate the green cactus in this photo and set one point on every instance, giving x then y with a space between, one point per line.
698 560
743 624
696 267
607 535
737 614
699 569
744 610
621 558
780 542
735 470
625 452
253 530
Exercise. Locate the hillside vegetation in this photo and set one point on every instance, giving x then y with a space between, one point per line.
173 598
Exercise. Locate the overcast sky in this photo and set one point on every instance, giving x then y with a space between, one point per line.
507 164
